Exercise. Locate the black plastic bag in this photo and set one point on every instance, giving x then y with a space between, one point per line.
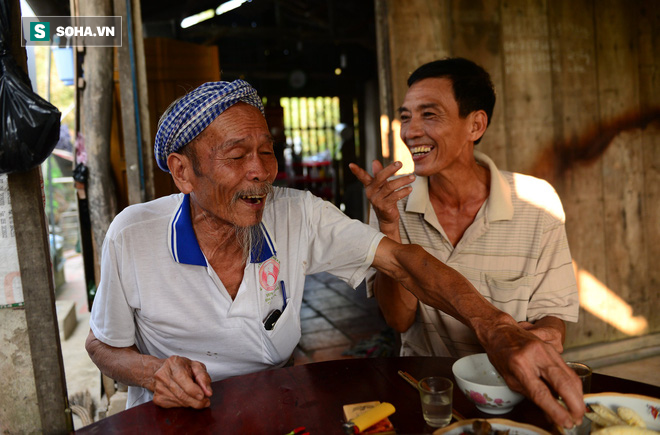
30 126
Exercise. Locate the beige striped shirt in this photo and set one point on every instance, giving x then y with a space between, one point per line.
515 253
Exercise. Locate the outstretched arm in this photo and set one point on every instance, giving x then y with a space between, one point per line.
175 381
525 361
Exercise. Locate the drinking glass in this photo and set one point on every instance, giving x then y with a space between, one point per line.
584 373
436 396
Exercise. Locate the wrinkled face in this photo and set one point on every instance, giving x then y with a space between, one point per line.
237 166
431 127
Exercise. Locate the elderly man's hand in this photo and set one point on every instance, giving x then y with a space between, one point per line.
383 194
525 362
181 382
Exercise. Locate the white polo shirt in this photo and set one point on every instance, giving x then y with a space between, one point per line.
515 253
158 292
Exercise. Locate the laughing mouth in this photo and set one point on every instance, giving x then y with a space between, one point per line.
253 199
422 150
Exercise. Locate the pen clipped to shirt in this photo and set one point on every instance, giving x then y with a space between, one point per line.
283 295
272 318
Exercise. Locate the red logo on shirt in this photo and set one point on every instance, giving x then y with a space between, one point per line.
268 273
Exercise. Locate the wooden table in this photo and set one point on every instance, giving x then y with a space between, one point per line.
312 395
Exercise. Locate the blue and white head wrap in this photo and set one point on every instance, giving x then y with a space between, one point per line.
189 116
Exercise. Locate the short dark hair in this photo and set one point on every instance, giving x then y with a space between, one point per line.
473 88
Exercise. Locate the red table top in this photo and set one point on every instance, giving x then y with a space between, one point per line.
313 395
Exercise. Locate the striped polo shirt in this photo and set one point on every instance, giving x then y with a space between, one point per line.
515 253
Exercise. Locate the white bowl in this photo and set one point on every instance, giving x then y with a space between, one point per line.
483 385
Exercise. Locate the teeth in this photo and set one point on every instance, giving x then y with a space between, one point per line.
420 149
255 199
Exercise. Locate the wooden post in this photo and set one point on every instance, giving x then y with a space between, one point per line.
36 277
649 90
410 48
96 112
39 292
132 150
476 35
575 106
143 97
527 81
623 164
384 84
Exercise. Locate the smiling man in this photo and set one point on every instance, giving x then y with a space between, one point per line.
207 284
503 231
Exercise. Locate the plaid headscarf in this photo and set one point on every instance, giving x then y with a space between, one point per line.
189 116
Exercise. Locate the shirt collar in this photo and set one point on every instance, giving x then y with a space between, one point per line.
185 249
500 206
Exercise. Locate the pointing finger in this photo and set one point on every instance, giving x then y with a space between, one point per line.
362 175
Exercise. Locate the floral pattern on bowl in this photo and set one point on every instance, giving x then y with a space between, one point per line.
485 399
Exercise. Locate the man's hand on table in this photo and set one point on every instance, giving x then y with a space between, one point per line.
181 382
175 381
527 363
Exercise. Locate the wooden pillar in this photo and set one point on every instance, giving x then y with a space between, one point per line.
39 292
476 35
575 106
96 113
419 31
623 165
386 150
35 324
143 98
649 91
527 81
130 120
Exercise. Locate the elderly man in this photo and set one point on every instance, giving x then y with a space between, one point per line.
208 283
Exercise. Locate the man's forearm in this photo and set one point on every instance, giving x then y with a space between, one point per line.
397 304
439 286
123 364
175 381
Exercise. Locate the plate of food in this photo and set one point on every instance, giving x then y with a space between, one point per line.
491 426
614 413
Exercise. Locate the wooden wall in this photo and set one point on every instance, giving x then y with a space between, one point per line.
578 84
173 69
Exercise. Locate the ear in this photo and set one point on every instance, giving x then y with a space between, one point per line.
181 170
478 122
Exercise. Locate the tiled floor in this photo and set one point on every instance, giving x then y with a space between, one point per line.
334 317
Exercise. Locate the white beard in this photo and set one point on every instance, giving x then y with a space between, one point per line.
246 236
